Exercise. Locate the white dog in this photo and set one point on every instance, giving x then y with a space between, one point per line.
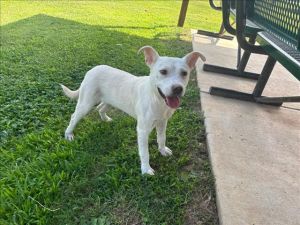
150 99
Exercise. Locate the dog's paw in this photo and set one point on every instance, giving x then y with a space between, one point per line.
165 151
105 118
148 170
69 137
108 119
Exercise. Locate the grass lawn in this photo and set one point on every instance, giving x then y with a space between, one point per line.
96 179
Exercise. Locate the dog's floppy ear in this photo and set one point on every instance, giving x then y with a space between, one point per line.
192 58
151 55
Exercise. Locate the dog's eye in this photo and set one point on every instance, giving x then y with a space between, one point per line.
183 73
163 72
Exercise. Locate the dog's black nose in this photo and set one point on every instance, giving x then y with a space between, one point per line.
177 90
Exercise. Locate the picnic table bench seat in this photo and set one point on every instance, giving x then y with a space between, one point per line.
275 25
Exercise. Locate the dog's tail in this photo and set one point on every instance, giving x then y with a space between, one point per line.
71 94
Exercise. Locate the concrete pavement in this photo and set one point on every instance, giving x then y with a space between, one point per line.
254 149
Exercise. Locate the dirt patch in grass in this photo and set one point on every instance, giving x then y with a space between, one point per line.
126 212
201 208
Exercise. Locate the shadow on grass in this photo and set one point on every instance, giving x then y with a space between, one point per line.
96 179
42 51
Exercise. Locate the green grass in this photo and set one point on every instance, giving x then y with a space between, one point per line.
95 179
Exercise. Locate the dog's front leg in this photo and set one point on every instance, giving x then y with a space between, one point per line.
143 131
161 127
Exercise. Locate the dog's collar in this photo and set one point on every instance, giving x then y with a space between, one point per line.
161 94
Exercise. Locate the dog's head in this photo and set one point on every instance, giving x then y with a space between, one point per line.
170 75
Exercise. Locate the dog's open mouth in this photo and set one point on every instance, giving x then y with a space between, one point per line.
171 101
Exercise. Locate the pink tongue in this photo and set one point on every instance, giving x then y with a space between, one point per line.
173 102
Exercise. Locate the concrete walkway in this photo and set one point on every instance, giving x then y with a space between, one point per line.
254 149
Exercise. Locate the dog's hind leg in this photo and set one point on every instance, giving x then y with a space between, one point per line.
88 98
80 111
102 107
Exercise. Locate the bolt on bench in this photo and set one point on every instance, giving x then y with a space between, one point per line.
275 25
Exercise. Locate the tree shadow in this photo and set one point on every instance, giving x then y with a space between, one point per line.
41 51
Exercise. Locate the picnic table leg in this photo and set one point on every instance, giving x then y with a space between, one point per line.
258 90
261 83
239 52
220 34
184 6
229 71
213 6
245 58
240 71
264 77
222 29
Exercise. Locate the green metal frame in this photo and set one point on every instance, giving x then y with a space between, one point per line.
228 9
221 32
213 6
280 44
292 65
298 47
